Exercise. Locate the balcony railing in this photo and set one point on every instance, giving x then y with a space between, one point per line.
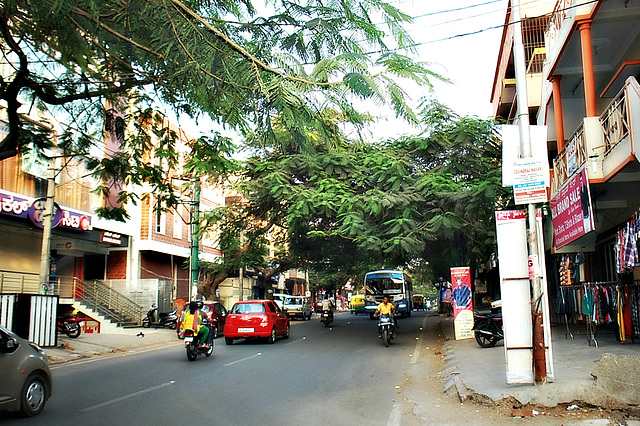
604 145
560 13
615 122
570 159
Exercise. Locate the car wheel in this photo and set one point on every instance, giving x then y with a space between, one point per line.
228 340
33 396
288 332
272 336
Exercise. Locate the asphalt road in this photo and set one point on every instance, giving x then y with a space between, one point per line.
337 375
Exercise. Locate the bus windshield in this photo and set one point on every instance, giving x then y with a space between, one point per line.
384 283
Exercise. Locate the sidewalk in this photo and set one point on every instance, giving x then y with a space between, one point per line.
481 371
91 344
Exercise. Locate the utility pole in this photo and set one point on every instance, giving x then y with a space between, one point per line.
195 239
47 217
539 356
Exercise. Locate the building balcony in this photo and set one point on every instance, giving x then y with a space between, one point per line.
561 25
606 144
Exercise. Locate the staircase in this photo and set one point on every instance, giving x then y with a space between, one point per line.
114 310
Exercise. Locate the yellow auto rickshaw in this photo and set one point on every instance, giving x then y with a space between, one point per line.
357 304
418 302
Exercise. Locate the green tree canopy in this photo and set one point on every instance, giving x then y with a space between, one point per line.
353 207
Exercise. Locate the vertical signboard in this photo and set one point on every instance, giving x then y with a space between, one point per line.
516 268
462 302
571 212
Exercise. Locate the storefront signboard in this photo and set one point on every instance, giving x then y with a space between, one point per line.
24 207
571 212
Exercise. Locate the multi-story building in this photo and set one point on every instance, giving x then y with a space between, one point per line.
583 85
144 259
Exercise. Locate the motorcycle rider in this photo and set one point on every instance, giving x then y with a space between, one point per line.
386 308
327 305
192 318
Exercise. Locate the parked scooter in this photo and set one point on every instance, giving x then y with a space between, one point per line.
488 327
70 326
385 324
169 320
327 317
192 343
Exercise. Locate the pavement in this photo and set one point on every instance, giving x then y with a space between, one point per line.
471 371
93 344
606 375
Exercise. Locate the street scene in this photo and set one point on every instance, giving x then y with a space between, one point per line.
284 212
347 372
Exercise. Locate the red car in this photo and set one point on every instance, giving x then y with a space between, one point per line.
256 318
216 315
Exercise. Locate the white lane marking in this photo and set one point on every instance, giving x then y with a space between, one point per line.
243 359
416 351
295 341
122 398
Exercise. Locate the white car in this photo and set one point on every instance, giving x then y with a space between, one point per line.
297 307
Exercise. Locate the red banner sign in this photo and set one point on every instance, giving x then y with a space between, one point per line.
571 210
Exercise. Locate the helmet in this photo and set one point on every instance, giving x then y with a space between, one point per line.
200 304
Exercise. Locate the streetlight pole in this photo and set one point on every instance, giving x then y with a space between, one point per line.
45 253
539 361
195 239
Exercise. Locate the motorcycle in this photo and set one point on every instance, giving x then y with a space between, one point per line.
327 318
70 326
192 344
169 320
385 324
488 327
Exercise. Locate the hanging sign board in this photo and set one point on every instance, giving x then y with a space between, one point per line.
529 181
511 155
571 212
462 302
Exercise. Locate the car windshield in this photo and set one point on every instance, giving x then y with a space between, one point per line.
292 301
248 308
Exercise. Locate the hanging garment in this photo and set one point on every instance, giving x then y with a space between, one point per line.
587 303
621 336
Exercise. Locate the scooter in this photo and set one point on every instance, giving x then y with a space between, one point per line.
327 318
70 326
385 324
169 320
192 344
488 327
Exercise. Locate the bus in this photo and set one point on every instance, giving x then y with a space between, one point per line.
395 284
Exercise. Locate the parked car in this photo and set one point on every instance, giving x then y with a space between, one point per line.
216 315
25 376
297 307
256 318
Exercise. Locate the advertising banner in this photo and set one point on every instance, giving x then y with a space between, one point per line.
571 212
462 302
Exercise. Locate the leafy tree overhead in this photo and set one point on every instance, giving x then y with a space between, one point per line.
353 207
222 59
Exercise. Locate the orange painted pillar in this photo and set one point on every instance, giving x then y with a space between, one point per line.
587 67
557 110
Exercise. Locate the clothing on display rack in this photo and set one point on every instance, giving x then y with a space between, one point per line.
602 303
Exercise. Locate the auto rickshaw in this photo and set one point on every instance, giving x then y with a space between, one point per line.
357 304
418 302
